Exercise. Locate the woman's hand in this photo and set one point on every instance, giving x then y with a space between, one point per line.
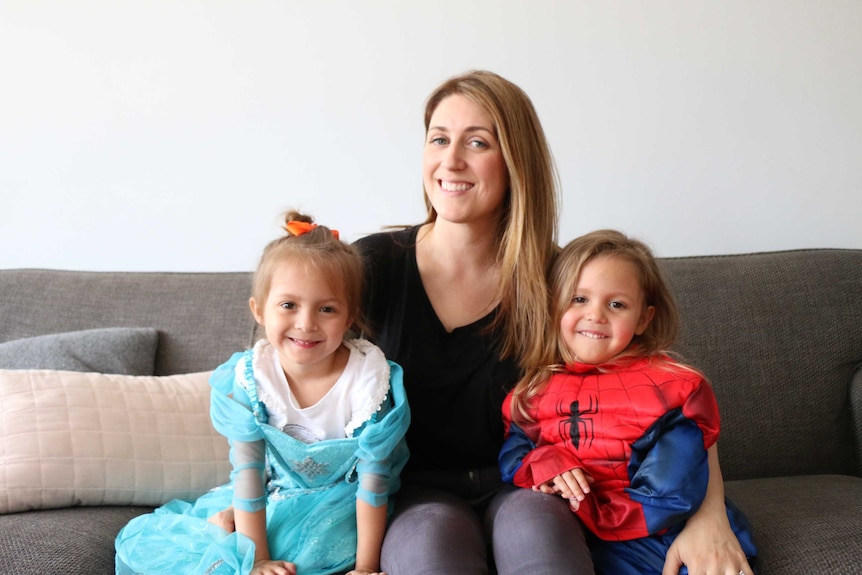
272 567
707 546
224 519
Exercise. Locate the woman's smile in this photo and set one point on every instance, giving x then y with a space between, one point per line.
454 186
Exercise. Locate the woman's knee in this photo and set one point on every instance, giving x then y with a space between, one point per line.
536 533
433 532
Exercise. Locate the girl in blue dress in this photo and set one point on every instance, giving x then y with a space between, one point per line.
316 425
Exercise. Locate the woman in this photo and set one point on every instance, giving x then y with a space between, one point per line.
458 302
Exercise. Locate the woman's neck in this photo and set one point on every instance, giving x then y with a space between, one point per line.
459 271
465 246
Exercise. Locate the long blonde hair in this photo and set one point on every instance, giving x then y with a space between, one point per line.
527 234
656 339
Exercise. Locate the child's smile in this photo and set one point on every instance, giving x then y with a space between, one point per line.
606 311
304 318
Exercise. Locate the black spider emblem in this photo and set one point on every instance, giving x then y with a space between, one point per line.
577 426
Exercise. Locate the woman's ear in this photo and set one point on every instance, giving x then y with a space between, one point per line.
255 311
646 317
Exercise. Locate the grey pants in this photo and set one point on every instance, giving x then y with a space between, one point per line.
434 532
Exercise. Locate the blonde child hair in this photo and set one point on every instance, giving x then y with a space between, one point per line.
320 248
656 339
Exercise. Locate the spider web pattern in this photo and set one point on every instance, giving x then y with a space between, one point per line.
599 415
590 419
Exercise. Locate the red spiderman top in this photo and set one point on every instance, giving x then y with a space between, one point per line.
641 430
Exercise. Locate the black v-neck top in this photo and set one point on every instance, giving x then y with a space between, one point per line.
455 381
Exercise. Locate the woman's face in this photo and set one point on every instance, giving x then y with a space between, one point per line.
464 171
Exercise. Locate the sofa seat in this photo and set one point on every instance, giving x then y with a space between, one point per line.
804 521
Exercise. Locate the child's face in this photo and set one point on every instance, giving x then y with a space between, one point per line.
304 318
607 310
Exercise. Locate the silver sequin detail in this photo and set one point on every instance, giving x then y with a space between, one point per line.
310 468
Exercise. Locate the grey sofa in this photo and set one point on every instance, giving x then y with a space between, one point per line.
779 335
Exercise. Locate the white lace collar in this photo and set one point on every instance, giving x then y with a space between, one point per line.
365 378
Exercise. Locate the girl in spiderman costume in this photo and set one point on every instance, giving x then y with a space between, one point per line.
613 423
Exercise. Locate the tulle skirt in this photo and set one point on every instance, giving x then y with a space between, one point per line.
315 530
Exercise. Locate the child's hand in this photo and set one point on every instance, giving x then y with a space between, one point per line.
272 567
573 485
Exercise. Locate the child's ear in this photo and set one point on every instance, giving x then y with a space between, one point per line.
646 317
257 313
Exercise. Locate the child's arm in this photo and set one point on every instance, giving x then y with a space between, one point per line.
372 498
669 471
370 527
231 414
381 454
250 505
516 446
524 464
548 468
252 524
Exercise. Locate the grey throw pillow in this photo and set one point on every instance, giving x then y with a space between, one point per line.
121 350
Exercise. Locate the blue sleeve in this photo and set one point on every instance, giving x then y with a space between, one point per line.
231 413
230 407
669 471
516 446
382 450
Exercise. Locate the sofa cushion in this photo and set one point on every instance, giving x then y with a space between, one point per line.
805 524
70 438
125 350
77 541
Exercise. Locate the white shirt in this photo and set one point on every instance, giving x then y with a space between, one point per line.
355 396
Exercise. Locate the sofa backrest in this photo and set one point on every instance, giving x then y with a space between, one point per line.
779 335
202 318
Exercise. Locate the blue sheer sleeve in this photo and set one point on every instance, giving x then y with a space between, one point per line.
232 416
382 450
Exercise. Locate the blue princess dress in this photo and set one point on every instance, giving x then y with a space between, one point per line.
309 485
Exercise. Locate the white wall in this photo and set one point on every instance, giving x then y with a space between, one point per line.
169 135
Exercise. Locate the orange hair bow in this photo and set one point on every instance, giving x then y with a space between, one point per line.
297 228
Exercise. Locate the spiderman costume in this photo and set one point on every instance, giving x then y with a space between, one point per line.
641 429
